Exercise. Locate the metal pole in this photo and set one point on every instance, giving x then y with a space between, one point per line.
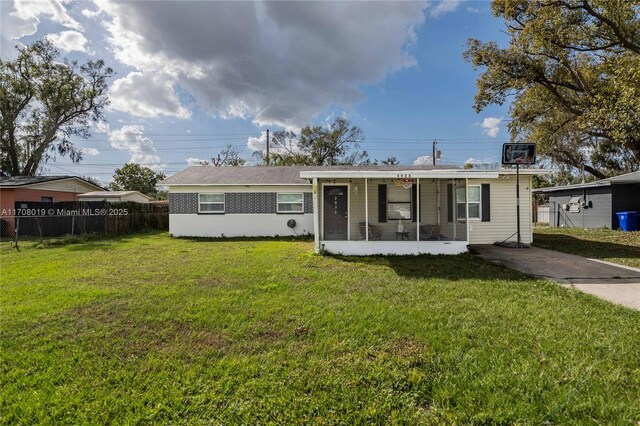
454 208
417 209
518 201
466 208
316 214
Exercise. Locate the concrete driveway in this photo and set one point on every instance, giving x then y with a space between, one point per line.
615 283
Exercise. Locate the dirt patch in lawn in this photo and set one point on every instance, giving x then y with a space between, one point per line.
113 329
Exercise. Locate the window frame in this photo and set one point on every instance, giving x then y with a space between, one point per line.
463 218
48 200
392 200
223 203
278 203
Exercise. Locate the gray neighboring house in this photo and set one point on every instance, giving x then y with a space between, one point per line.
594 204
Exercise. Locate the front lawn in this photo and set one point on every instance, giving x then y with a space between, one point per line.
150 329
603 244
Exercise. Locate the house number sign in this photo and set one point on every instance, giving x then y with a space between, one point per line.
405 183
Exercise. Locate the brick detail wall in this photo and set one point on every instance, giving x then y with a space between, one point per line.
235 203
250 202
183 203
308 202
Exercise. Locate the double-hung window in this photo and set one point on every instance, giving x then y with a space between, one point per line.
291 203
399 203
210 203
475 208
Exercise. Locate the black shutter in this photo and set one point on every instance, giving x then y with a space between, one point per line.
486 203
449 202
382 203
414 205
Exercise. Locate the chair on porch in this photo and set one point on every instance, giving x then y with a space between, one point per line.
375 232
429 232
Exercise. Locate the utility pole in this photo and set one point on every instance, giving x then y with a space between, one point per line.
268 143
433 152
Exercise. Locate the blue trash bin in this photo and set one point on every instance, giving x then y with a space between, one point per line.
628 221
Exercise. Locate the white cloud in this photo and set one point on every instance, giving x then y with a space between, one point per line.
91 14
147 95
53 9
473 10
130 138
192 161
259 144
444 6
424 160
491 126
486 163
21 18
90 151
69 41
272 62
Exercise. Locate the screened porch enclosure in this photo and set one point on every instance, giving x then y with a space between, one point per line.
426 211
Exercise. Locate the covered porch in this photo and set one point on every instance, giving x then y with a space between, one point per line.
393 213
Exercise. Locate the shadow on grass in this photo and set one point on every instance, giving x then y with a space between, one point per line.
449 267
588 248
83 242
240 239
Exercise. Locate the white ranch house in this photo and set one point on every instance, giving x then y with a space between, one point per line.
353 210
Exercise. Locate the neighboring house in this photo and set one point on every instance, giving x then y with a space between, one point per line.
355 210
594 204
115 196
48 189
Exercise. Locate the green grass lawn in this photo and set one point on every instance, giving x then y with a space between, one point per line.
150 329
604 244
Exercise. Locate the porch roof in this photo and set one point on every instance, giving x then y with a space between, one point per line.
410 172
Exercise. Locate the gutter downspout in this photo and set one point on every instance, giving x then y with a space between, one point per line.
316 215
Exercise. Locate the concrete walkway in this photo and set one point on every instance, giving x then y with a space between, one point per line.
615 283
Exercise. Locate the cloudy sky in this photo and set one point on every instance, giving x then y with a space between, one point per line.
193 77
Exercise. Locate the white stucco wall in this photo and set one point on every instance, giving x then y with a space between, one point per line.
238 225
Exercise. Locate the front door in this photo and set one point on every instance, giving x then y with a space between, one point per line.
335 213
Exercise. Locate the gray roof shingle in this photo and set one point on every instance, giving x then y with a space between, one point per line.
260 175
9 181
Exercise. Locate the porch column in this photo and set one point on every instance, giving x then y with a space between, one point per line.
366 210
316 214
417 209
454 208
466 205
438 189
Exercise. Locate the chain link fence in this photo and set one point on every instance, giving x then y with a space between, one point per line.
32 221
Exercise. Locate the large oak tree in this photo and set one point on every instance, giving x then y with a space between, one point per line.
336 143
573 70
134 177
44 103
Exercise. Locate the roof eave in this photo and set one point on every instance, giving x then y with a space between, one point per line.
428 174
233 184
